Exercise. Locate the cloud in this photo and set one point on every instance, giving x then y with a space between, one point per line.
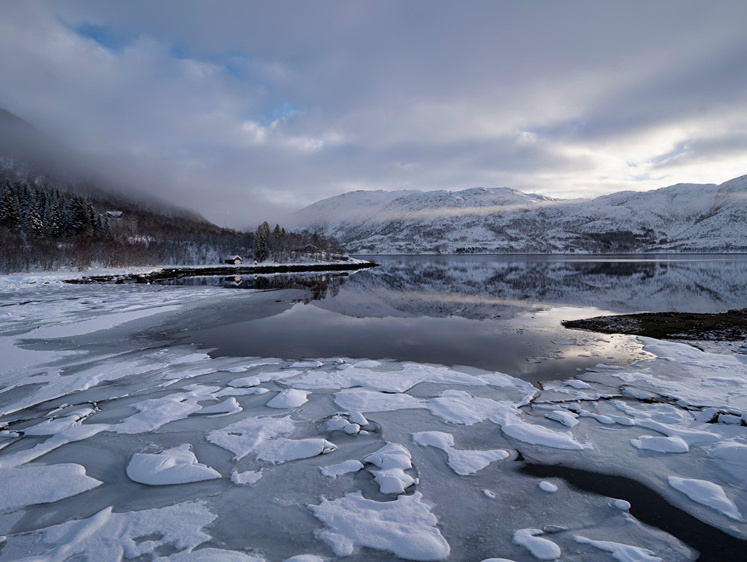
244 111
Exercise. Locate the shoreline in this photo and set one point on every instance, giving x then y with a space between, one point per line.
178 272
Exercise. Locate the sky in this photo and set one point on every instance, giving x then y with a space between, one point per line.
248 110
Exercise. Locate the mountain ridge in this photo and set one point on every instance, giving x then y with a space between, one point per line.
684 217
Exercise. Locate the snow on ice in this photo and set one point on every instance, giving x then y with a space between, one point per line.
621 552
540 548
463 462
706 493
173 466
405 527
373 455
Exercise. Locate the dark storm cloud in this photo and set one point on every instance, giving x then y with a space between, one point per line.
247 109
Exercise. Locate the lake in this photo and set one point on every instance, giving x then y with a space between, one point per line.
499 313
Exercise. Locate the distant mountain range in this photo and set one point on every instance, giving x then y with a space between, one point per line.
679 218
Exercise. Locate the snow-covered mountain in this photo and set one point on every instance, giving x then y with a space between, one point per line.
679 218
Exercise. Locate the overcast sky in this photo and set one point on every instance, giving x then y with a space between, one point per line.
243 110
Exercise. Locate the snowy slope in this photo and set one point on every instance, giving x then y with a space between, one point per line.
683 217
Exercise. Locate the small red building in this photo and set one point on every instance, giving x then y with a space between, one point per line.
236 260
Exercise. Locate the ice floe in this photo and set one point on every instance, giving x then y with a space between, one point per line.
245 478
706 493
540 548
38 483
288 398
661 444
344 467
568 419
262 437
405 527
731 457
229 406
109 535
619 551
172 466
392 461
463 462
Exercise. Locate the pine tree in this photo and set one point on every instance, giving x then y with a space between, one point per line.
76 216
54 226
10 211
262 242
34 223
26 204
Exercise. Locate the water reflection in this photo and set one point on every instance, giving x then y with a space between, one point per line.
317 285
478 286
493 312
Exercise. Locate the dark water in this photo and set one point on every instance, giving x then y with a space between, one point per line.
494 312
648 506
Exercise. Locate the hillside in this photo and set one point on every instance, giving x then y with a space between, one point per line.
679 218
55 212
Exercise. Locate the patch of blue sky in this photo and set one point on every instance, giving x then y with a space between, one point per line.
104 35
678 150
279 111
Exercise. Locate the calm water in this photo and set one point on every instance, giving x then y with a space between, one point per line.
493 312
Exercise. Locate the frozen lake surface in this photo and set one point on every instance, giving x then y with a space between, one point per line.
394 413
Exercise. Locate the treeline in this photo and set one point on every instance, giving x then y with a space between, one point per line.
50 214
280 246
46 228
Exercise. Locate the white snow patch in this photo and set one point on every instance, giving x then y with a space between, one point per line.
539 435
706 493
172 466
392 460
577 384
282 450
548 487
228 406
245 382
33 483
156 412
306 365
405 527
345 467
108 535
541 549
245 436
288 398
622 505
463 462
620 551
245 478
661 444
568 419
732 457
370 401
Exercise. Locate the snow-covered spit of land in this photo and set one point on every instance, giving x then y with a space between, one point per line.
678 218
113 446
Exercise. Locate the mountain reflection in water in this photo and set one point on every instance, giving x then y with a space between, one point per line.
492 312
